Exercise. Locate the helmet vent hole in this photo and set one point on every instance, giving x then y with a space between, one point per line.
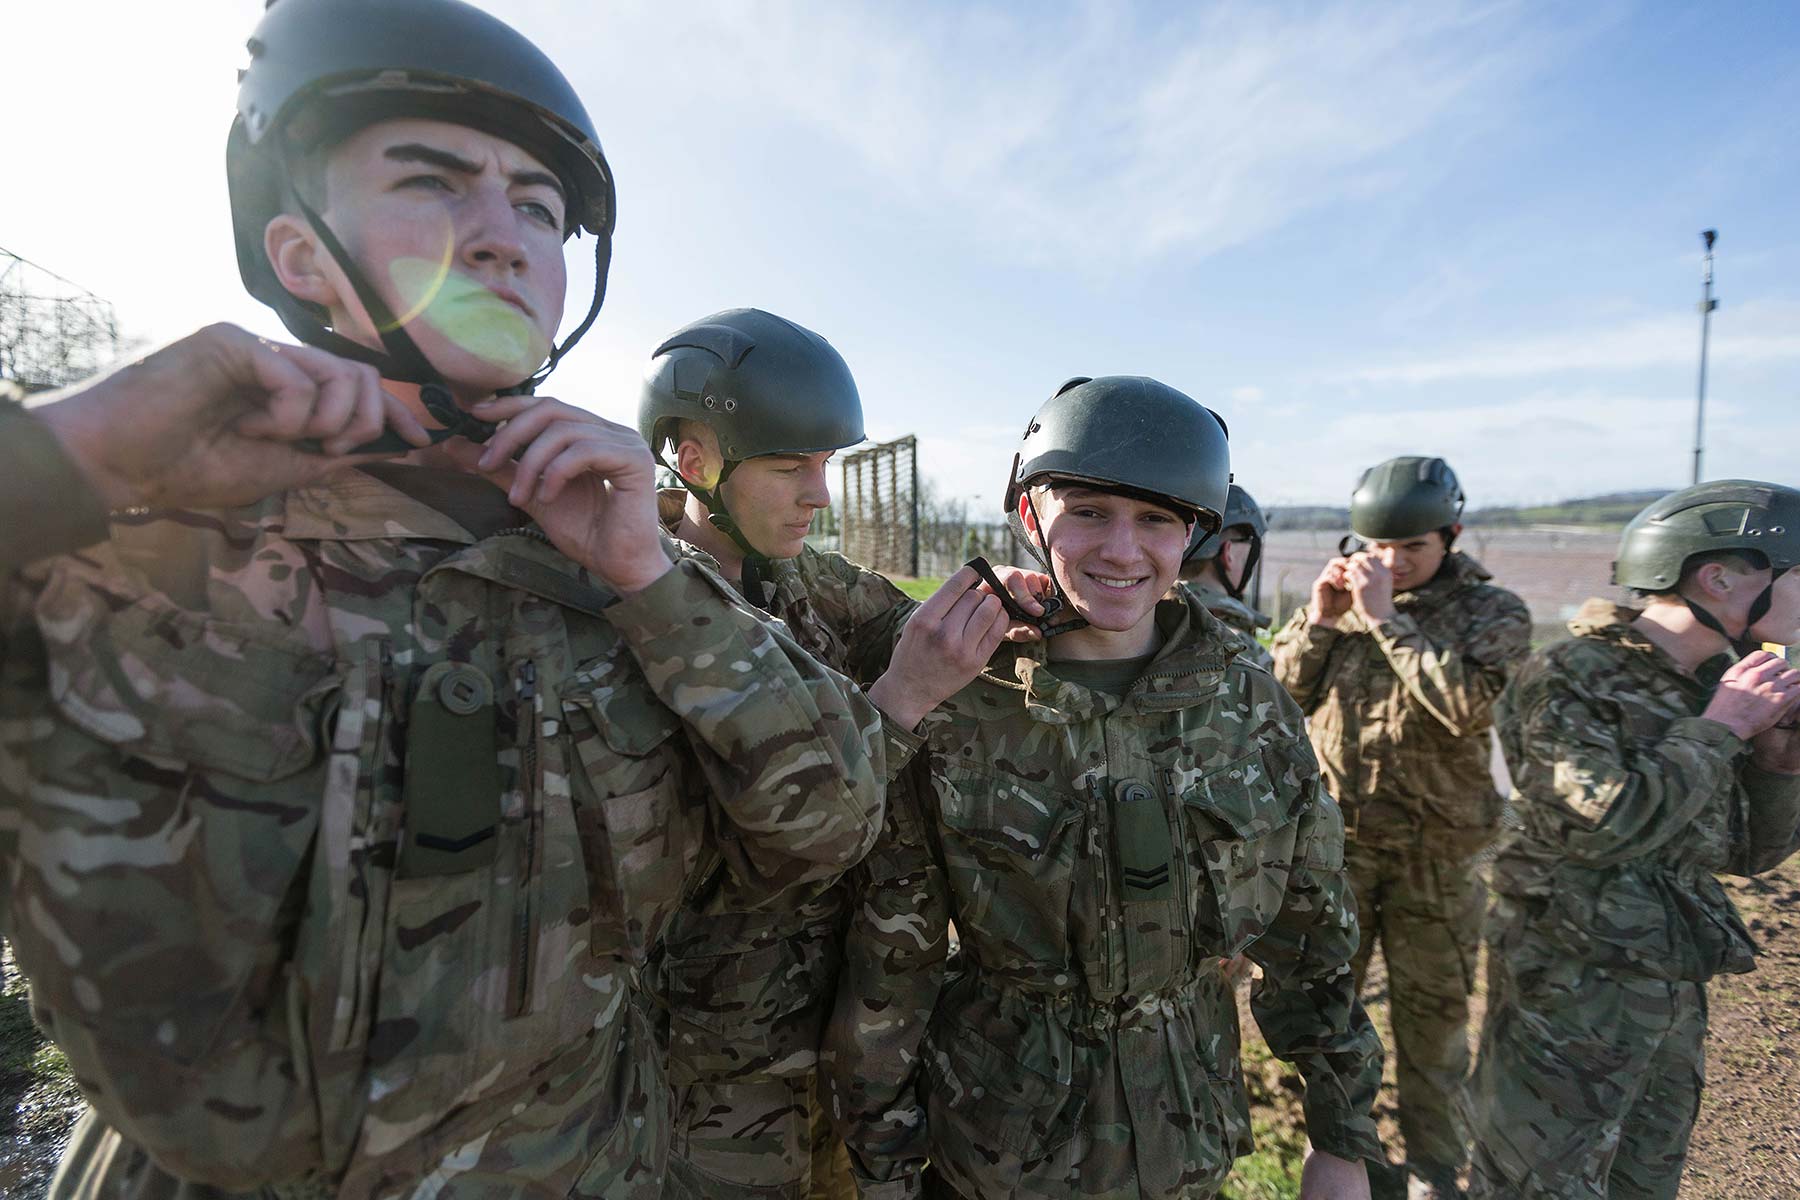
730 404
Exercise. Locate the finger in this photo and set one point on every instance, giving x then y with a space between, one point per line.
367 418
561 470
934 607
972 627
1018 631
955 623
994 634
402 420
1025 587
505 408
545 447
519 432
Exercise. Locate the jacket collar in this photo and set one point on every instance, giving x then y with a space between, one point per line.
1196 649
350 506
1602 620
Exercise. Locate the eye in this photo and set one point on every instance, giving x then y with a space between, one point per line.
540 212
429 183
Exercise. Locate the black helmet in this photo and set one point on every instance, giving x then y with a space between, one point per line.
1757 519
1240 509
322 69
763 384
1129 434
1405 497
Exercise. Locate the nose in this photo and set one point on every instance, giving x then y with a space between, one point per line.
818 490
1388 555
1121 543
491 229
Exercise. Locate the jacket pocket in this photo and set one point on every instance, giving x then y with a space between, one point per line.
989 1114
1241 830
171 803
1010 849
640 838
752 1013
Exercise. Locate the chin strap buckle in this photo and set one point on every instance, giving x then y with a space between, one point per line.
1047 625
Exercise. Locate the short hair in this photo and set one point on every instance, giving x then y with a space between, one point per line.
1740 562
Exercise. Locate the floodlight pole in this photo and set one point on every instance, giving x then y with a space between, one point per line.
1707 304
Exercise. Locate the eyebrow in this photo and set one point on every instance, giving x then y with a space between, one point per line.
418 152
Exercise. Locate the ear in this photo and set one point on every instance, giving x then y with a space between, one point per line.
1456 531
1027 511
1714 580
696 462
299 262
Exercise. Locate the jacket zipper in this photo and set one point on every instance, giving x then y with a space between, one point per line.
526 687
1189 899
1103 853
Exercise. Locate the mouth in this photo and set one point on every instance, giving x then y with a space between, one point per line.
513 298
1118 584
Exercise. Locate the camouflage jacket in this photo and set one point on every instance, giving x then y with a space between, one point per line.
284 940
1400 712
1101 857
1629 802
748 985
1238 616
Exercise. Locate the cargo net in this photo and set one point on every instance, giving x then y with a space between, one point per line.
52 332
878 500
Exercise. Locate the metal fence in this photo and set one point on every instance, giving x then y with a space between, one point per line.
52 332
878 518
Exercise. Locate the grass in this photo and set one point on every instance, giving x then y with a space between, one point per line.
919 588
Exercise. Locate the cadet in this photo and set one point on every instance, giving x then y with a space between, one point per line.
1116 812
747 398
1220 565
343 802
1397 663
1645 760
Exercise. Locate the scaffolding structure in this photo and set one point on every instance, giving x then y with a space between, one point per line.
879 524
52 331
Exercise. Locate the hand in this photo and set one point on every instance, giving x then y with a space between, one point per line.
1328 1177
1027 588
209 421
590 484
1330 595
943 645
1371 587
1756 693
1777 748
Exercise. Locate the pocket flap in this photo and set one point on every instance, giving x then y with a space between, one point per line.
165 683
1242 795
1001 1099
628 720
1002 810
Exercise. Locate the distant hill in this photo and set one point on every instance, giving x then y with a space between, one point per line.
1610 510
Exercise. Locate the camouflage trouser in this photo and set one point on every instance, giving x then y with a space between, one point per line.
1587 1084
765 1139
1427 916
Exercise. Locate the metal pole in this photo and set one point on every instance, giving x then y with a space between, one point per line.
1707 304
912 444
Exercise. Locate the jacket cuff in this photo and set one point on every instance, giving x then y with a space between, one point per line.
1396 627
47 505
1346 1135
901 744
1707 733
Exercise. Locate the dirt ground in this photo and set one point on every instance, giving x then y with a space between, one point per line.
1746 1144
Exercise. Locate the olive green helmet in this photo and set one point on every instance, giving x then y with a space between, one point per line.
1129 434
1405 497
761 383
1240 509
1758 519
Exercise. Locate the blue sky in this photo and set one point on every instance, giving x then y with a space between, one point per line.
1356 230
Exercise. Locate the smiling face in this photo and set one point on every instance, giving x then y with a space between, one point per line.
459 232
1114 555
1414 561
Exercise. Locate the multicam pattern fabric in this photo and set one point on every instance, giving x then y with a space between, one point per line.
281 944
1399 712
1102 858
1239 616
1399 715
749 988
1607 916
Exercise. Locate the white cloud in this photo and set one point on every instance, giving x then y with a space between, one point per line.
1751 335
1100 135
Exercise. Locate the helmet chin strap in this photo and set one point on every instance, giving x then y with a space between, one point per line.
1236 587
1743 643
1061 603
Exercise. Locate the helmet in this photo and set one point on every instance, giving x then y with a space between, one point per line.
1130 434
1240 509
764 385
1726 514
1405 497
322 69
